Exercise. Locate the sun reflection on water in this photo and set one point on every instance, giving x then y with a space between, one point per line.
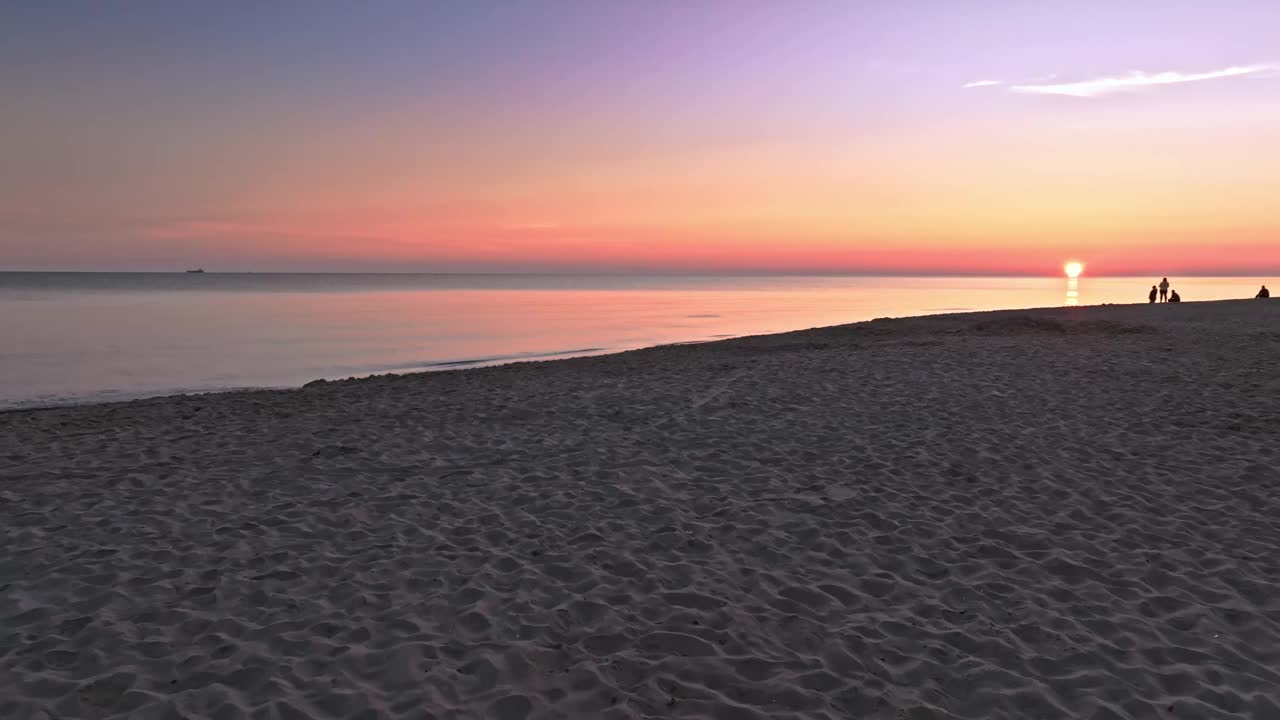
1073 291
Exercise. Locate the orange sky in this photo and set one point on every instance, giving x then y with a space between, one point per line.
840 147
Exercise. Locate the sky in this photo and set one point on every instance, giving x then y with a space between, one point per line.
931 136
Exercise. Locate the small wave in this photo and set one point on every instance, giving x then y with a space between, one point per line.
703 316
514 357
45 402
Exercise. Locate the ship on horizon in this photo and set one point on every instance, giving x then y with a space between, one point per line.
197 270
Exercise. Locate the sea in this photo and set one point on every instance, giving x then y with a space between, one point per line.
70 338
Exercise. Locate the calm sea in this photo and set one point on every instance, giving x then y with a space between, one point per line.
89 337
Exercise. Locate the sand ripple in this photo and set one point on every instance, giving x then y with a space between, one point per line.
1058 514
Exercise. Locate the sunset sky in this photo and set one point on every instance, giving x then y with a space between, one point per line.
928 136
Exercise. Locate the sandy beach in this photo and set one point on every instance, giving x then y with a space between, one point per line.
1064 513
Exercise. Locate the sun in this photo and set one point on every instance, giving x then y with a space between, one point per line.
1073 269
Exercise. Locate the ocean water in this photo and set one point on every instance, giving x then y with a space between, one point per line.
91 337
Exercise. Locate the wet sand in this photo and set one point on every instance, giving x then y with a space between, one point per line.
1066 513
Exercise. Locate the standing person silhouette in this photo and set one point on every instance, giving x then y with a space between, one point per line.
1151 296
1164 290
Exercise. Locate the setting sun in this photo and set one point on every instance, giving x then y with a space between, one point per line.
1073 269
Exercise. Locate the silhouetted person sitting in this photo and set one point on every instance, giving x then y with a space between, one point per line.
1164 289
1174 296
1151 296
1264 293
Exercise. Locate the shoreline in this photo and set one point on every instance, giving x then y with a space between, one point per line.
284 331
474 364
440 366
1060 513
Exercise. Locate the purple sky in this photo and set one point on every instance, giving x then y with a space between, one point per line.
548 135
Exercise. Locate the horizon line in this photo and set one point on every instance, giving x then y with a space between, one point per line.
688 273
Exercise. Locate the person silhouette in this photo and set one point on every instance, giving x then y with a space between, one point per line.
1151 296
1164 290
1174 296
1264 293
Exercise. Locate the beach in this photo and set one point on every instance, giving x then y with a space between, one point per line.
82 338
1058 513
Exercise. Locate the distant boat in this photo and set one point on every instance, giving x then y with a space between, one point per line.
197 270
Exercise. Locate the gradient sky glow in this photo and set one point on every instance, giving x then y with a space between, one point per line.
927 136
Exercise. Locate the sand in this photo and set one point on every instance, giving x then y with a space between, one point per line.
1067 513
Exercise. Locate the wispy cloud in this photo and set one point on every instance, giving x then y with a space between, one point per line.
983 83
1138 80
